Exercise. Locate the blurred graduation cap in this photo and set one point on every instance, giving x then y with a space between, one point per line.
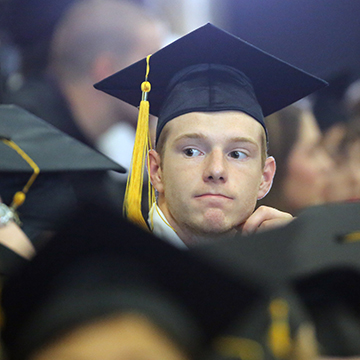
48 147
99 264
316 256
205 70
34 157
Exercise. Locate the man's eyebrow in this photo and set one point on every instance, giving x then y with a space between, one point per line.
190 136
236 139
243 139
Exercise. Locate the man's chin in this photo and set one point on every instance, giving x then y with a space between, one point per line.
214 224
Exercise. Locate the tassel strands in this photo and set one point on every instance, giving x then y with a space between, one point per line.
142 145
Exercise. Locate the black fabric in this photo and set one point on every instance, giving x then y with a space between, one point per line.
208 87
54 195
9 261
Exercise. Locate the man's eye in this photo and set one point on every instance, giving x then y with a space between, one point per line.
237 154
192 152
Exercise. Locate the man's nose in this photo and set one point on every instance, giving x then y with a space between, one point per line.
215 167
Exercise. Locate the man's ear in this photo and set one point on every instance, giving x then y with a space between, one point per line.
154 171
267 177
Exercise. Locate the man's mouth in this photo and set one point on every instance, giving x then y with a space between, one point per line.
213 196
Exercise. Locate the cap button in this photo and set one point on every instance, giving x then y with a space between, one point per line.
145 86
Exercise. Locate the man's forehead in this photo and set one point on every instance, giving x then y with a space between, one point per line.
203 124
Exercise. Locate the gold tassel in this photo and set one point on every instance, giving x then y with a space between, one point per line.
142 145
279 332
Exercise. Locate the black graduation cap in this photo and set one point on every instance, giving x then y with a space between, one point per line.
34 158
51 149
316 257
205 70
98 264
276 83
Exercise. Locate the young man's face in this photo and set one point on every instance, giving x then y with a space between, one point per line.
211 172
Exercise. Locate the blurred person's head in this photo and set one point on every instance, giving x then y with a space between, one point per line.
344 182
330 110
303 166
93 39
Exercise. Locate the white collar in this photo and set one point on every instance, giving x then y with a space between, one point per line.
161 228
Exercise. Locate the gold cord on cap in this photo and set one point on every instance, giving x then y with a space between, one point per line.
142 145
20 196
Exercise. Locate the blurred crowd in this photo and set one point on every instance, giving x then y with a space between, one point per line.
316 146
51 54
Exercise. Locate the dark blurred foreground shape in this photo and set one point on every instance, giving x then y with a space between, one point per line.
100 267
316 257
264 296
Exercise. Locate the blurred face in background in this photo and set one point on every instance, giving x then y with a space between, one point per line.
344 182
123 337
308 167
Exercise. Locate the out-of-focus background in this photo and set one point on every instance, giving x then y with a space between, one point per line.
53 51
320 36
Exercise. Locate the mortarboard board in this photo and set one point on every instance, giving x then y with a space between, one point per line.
277 84
206 70
316 256
50 148
35 155
98 264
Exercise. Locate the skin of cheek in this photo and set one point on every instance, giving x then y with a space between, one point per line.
202 217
